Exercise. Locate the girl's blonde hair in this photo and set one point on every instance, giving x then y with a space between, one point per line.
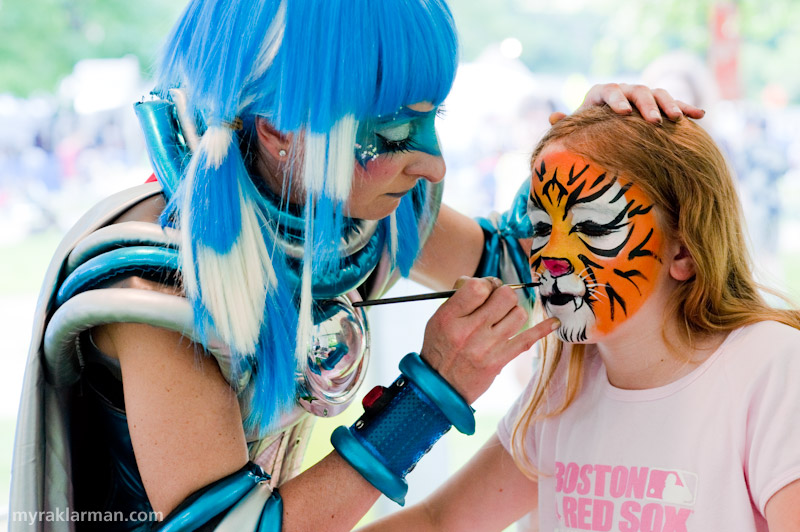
682 171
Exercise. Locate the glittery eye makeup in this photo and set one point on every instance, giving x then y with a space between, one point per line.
395 133
403 131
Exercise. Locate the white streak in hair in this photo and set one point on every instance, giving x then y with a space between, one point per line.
235 284
270 45
393 237
341 160
304 319
314 162
188 271
188 127
215 143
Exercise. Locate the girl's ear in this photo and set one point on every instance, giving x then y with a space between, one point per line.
275 142
681 266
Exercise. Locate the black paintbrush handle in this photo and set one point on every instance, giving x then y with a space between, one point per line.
422 297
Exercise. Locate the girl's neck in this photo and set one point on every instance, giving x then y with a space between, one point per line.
637 355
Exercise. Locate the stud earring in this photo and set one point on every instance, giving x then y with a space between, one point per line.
282 153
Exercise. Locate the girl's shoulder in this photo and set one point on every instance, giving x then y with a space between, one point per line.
763 348
766 336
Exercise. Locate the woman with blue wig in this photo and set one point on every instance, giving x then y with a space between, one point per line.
191 328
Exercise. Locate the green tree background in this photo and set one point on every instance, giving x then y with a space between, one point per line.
42 39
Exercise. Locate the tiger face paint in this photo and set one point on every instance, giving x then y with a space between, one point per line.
596 245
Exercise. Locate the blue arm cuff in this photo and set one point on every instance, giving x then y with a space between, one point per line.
400 425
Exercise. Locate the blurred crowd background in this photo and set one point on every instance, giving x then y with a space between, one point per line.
70 71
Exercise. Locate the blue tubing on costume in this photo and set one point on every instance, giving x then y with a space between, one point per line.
165 144
219 497
401 426
114 263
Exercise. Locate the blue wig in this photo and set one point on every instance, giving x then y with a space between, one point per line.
316 67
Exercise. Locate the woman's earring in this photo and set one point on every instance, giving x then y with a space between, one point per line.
282 153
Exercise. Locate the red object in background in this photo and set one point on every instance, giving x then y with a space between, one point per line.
151 179
724 53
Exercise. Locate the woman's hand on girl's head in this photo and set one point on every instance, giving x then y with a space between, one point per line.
471 337
649 102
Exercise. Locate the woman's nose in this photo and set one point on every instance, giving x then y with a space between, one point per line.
558 267
427 166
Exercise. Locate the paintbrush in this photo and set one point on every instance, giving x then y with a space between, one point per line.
432 295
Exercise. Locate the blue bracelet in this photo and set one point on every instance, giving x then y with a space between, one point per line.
400 425
438 390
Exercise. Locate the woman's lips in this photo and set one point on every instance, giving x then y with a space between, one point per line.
397 194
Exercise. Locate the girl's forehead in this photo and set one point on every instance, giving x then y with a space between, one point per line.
563 179
564 171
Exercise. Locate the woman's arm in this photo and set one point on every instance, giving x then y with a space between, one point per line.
187 431
452 250
783 509
489 493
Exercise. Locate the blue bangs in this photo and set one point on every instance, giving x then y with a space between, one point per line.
365 58
213 65
418 56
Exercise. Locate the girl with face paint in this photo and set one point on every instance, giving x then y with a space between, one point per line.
667 400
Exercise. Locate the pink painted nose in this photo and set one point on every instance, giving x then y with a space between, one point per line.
557 267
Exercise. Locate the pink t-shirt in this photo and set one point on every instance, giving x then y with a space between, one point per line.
704 453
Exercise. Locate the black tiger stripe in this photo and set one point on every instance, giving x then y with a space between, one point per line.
636 211
639 250
573 197
598 180
589 264
536 201
622 191
614 296
573 177
554 183
541 172
609 252
594 196
627 275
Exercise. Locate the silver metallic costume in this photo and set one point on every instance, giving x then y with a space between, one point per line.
72 418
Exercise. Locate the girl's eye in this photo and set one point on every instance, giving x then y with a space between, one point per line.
541 229
592 229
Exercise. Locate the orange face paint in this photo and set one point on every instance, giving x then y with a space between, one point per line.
595 248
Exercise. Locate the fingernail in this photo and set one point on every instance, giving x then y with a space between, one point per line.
677 110
656 115
555 325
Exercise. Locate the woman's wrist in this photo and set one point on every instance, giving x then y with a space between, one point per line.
400 424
